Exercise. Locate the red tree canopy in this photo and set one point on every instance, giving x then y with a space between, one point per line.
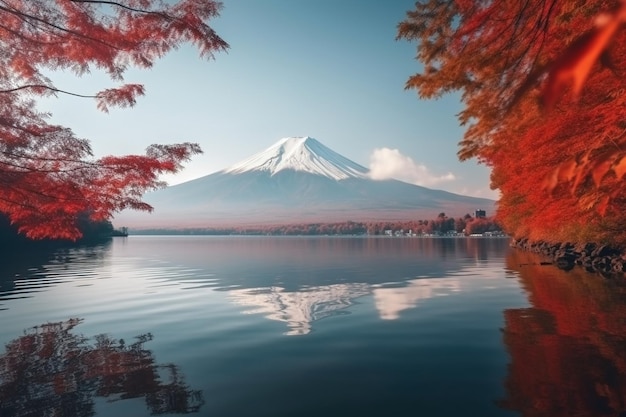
48 176
543 91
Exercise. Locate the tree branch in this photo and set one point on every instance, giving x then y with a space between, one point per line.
26 17
56 90
123 6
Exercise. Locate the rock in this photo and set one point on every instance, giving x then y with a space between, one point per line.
587 248
564 262
603 250
596 258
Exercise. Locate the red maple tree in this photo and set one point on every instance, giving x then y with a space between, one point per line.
48 176
543 92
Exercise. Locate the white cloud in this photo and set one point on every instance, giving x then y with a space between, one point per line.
479 192
388 163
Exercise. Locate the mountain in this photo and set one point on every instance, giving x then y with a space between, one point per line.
296 180
303 154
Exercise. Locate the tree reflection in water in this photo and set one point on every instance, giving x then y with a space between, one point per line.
54 372
568 351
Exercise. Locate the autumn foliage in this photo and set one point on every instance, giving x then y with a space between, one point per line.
544 96
48 176
440 226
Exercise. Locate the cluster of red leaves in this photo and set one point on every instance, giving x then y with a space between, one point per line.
573 66
571 70
561 175
48 176
543 88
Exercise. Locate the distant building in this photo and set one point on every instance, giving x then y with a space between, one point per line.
480 214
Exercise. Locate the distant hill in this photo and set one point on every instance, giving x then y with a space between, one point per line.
295 180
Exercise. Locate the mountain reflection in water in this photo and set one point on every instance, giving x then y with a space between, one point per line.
299 309
51 371
568 351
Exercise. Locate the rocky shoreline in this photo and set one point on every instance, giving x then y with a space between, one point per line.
590 256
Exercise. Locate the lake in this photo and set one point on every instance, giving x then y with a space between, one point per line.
307 326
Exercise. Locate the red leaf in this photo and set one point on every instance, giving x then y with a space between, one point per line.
600 169
551 181
620 168
567 170
575 64
602 206
581 172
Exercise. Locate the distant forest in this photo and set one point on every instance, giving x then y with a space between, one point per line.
442 225
91 231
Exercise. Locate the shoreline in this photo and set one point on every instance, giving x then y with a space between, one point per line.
593 257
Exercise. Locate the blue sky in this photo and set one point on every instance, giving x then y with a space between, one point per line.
327 69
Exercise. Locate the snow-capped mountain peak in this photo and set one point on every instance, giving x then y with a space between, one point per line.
301 154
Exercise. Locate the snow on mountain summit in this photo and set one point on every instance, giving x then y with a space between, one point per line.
301 154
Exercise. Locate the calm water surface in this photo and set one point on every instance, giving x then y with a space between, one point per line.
266 326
